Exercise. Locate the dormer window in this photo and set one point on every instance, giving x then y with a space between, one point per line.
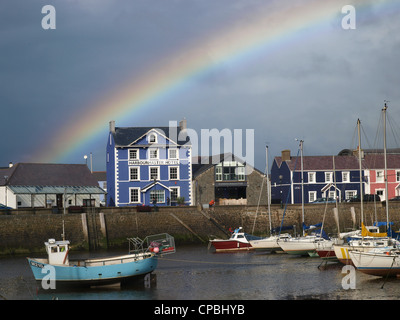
152 138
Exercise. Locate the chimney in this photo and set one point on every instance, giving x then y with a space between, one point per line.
183 124
356 153
112 126
285 155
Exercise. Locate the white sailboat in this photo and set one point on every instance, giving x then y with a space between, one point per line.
268 243
384 259
371 239
380 262
307 244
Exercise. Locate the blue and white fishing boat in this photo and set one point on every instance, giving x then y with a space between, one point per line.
141 260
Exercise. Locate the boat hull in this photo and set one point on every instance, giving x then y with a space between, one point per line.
268 244
343 251
297 247
95 272
304 246
380 265
230 245
327 254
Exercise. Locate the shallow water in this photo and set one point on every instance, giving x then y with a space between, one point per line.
196 273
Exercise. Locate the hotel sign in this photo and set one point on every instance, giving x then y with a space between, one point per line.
154 162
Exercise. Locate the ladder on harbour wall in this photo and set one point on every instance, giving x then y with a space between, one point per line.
93 235
96 233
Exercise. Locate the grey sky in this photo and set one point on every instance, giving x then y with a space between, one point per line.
312 87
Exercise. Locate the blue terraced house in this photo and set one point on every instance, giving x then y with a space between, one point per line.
323 177
149 165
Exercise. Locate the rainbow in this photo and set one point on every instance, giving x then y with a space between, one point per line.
268 29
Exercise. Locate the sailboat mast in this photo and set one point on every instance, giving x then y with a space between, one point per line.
268 192
302 182
385 160
63 221
335 210
359 162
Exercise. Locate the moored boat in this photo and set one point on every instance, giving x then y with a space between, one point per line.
325 250
304 246
326 253
239 241
369 239
101 271
382 262
270 243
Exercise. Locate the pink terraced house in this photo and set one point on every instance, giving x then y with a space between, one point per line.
375 175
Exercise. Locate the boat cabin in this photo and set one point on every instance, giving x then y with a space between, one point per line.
57 251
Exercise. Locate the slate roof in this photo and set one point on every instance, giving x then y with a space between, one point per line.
124 136
325 163
45 174
100 175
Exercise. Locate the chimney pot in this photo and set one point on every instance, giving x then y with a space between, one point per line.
285 155
112 126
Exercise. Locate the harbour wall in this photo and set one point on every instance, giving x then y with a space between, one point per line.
24 231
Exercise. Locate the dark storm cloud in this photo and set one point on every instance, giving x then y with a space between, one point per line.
313 89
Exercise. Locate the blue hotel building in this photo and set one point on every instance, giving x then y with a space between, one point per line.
148 165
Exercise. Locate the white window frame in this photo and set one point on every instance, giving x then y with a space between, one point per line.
177 173
312 195
328 177
241 173
133 158
138 173
158 191
381 193
158 172
150 136
176 153
218 173
178 193
348 194
312 177
346 176
332 194
150 153
138 195
379 176
397 175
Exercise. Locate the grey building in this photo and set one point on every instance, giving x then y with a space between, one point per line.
227 180
36 185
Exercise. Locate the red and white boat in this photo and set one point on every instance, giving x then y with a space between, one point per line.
239 241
